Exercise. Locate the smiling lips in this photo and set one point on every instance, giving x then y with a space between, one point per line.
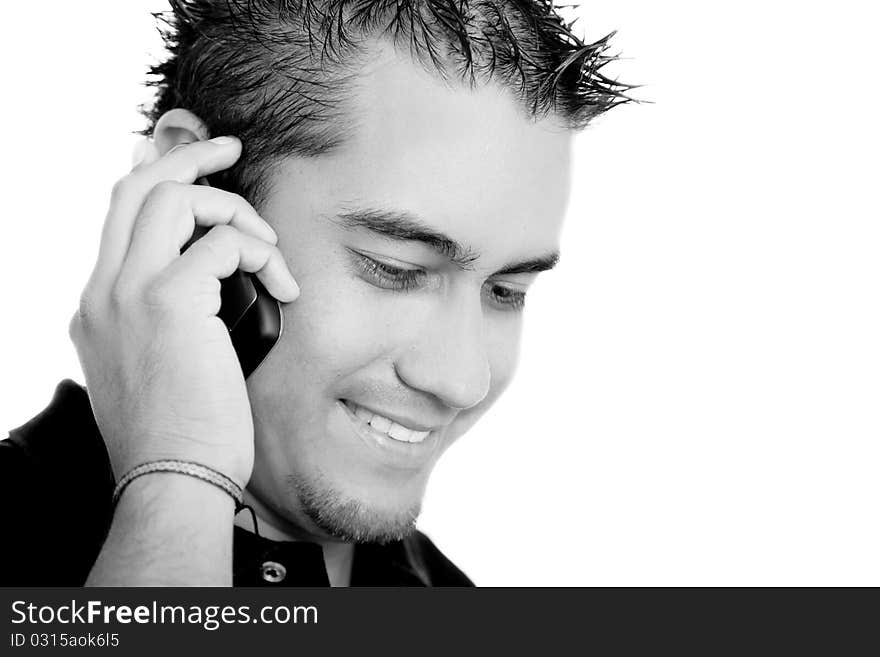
387 427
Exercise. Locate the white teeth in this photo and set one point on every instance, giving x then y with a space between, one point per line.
400 433
380 423
388 427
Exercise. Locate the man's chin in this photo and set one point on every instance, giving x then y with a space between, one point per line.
351 519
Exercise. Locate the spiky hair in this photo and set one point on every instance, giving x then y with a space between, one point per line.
277 73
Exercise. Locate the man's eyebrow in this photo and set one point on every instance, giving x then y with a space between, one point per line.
533 266
403 226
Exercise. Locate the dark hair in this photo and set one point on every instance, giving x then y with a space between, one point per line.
276 73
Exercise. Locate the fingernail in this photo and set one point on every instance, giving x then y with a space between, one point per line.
294 288
221 140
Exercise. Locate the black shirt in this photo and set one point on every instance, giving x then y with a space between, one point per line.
56 485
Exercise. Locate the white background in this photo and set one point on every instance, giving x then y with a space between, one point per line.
698 397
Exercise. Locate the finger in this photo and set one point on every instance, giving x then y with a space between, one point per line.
144 152
168 218
224 250
182 165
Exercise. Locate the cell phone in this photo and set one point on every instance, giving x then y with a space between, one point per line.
252 315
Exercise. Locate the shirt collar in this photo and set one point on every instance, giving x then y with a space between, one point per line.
259 561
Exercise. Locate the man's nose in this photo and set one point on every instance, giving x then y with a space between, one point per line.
449 359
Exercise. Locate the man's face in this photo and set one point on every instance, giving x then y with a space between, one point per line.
412 245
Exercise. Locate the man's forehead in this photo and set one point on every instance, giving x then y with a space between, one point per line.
431 148
396 102
464 161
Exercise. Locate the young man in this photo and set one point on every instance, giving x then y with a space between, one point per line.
396 175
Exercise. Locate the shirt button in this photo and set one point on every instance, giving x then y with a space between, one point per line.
273 572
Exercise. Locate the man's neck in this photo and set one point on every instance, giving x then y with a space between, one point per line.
338 557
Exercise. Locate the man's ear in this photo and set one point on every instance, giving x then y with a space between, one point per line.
178 126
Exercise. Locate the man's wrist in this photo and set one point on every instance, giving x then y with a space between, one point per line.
168 529
158 491
187 468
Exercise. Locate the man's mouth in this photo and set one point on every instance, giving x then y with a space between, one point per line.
385 426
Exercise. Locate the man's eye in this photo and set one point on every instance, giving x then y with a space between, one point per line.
386 276
508 298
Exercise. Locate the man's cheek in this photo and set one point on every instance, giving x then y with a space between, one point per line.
503 347
335 326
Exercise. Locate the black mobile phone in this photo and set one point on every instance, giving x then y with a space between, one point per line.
252 315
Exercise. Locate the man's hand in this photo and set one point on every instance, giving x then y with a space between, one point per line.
162 376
